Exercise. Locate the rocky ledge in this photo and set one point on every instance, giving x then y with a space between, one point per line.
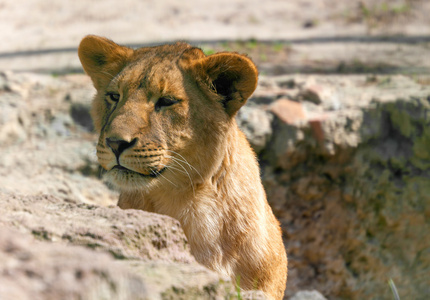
81 251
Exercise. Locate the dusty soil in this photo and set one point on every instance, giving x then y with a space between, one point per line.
304 35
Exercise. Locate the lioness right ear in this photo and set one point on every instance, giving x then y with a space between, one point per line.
102 59
232 76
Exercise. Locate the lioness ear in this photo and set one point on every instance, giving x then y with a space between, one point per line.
102 59
231 75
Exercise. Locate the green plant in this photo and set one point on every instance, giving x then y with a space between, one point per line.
393 289
278 46
252 44
401 9
263 57
226 46
238 291
208 50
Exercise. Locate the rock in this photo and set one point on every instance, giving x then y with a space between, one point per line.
288 111
81 115
129 234
66 168
256 124
308 295
347 185
11 119
61 124
183 281
3 82
313 93
35 270
47 151
282 148
77 259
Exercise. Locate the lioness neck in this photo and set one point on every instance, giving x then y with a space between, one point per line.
227 208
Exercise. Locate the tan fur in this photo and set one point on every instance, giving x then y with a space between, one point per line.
185 156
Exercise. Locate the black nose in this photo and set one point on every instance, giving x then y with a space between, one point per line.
118 146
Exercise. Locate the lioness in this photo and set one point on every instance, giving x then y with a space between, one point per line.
170 143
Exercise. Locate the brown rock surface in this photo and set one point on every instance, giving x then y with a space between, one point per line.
54 249
36 270
127 234
353 201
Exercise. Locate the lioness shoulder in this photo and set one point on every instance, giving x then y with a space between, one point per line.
169 141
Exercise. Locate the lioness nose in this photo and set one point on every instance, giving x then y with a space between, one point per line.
118 146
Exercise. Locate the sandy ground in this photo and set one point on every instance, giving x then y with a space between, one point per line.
42 35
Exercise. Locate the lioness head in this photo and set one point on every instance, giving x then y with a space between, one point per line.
163 112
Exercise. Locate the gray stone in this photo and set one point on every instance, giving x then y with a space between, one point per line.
54 271
256 124
80 113
97 253
308 295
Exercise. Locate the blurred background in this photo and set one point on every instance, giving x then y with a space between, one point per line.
340 122
43 35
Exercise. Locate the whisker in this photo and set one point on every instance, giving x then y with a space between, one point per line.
184 161
183 158
184 171
173 168
188 174
161 175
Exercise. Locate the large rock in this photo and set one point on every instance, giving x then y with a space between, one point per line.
351 188
51 249
37 270
129 234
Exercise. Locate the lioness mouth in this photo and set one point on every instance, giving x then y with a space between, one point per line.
153 173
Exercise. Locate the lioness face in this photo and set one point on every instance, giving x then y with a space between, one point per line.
162 112
145 126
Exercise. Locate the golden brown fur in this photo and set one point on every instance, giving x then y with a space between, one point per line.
170 143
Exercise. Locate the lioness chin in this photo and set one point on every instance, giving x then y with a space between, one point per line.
170 143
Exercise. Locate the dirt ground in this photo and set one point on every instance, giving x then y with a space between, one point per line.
296 36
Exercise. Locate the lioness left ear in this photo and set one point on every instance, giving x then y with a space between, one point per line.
102 59
231 75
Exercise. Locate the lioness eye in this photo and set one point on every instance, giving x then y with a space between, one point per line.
113 97
163 102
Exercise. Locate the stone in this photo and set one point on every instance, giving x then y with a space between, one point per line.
314 91
129 234
256 124
374 177
97 253
308 295
290 112
36 270
81 115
